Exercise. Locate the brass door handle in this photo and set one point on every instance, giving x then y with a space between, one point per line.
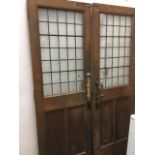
88 87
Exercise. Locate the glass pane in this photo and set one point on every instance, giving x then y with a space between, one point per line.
44 41
46 66
45 54
79 86
120 71
55 77
103 31
115 83
71 64
79 30
122 42
70 29
79 53
127 42
62 41
121 52
43 15
115 52
109 73
127 51
64 76
71 53
53 41
79 42
128 31
108 62
72 76
108 83
64 87
56 89
109 19
116 42
70 17
71 42
116 31
63 53
120 80
61 16
122 31
126 70
102 52
63 65
62 29
109 52
126 61
78 18
102 73
128 21
109 41
43 28
53 28
109 30
47 89
72 86
121 61
115 62
122 20
116 20
79 64
102 41
80 75
126 80
102 19
52 15
102 63
46 78
54 54
55 66
115 72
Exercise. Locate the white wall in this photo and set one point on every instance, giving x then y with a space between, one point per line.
27 121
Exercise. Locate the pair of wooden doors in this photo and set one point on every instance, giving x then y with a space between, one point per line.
83 71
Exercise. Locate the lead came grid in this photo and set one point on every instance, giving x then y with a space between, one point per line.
115 38
61 43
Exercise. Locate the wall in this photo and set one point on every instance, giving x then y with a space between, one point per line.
27 121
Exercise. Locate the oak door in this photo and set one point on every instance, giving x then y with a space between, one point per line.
59 33
113 82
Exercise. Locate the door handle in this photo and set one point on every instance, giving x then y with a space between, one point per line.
88 89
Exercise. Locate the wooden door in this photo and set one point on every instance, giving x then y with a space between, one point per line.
113 81
59 33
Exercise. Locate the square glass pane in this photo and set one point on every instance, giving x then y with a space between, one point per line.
126 80
78 18
109 19
70 17
42 15
71 64
79 30
62 29
79 42
70 29
121 51
64 76
109 73
102 82
55 66
53 28
109 62
61 16
102 30
109 30
63 65
79 53
44 41
127 42
79 86
115 52
116 30
55 77
103 19
127 51
115 72
62 42
121 61
56 88
108 83
126 70
109 52
122 31
64 87
102 73
102 41
47 90
63 53
54 54
72 86
120 71
115 62
122 41
102 52
116 42
72 76
126 61
128 31
80 75
109 41
116 20
122 21
71 41
71 53
128 21
45 54
120 81
53 41
43 28
102 63
47 78
46 66
115 82
52 15
79 64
